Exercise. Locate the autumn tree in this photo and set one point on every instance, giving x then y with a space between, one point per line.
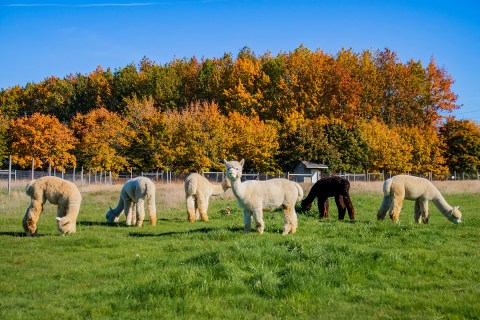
213 79
302 139
245 85
439 96
103 139
10 101
387 150
149 141
197 138
127 82
427 149
41 138
352 149
462 138
52 96
3 138
251 138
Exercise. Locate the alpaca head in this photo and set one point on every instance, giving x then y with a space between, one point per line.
455 215
305 207
234 169
111 218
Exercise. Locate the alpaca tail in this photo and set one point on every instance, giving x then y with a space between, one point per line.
190 186
29 188
300 192
387 199
387 187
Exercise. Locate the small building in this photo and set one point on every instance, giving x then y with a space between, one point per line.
306 171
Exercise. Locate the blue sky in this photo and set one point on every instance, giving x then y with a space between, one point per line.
46 38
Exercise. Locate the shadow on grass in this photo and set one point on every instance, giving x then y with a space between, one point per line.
175 233
118 224
98 223
20 234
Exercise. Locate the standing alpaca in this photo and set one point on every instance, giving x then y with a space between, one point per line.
331 187
135 192
197 192
401 187
57 191
258 196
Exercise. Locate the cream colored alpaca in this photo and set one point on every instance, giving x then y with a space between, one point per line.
198 191
258 196
401 187
135 192
57 191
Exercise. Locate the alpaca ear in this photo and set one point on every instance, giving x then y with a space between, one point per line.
457 207
225 162
110 207
242 162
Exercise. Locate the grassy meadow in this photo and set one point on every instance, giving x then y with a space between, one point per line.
179 270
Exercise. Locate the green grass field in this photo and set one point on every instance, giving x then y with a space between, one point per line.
327 270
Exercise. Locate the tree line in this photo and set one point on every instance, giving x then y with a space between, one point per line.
364 111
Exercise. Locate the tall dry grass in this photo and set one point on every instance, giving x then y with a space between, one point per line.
172 195
446 187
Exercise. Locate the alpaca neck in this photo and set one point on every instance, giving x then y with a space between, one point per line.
442 205
237 188
310 197
119 208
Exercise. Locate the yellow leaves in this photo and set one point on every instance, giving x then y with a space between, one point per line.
253 139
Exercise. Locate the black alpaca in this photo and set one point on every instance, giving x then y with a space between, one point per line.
330 187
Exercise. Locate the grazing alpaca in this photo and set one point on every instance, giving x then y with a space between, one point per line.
135 192
258 196
197 192
421 190
330 187
57 191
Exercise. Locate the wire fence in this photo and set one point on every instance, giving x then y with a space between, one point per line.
92 177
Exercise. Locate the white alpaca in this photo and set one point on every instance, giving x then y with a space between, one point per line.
135 192
258 196
57 191
198 191
401 187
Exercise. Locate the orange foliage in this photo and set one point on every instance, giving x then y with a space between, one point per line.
41 138
102 136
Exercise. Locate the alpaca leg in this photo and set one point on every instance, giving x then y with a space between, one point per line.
203 207
140 206
247 220
322 207
63 223
258 216
417 212
342 209
67 214
290 221
197 208
348 203
127 208
191 208
133 213
31 217
386 204
396 207
424 211
152 211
